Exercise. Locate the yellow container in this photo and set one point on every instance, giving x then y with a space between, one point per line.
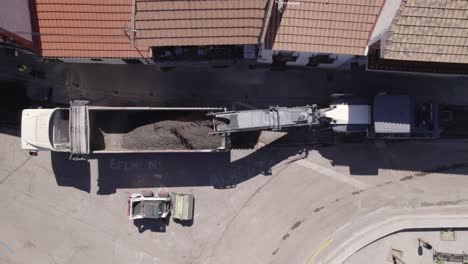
182 206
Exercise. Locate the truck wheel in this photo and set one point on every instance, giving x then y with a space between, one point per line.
147 193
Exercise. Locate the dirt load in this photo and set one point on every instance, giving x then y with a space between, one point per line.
171 134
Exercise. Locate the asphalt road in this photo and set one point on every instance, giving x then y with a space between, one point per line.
136 85
275 205
407 242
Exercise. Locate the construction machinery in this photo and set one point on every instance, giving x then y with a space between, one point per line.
384 116
82 129
146 205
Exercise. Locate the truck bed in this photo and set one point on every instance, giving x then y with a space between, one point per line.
153 130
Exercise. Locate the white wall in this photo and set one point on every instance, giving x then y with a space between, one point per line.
88 60
15 17
383 23
342 60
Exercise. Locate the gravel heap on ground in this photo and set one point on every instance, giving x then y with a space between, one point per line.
172 135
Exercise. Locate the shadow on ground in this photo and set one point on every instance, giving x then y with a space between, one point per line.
153 225
12 102
117 171
169 169
70 173
418 158
197 169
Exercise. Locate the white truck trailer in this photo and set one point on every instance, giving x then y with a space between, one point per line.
82 130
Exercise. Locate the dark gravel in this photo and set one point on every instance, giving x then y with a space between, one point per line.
172 135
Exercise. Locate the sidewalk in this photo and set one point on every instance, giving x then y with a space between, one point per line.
367 229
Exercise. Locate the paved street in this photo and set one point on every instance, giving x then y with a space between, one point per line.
58 211
137 85
278 204
407 242
323 186
131 85
146 85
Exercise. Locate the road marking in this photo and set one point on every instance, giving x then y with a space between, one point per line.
322 247
332 173
3 244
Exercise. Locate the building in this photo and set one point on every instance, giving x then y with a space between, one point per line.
424 37
138 31
396 35
316 33
15 25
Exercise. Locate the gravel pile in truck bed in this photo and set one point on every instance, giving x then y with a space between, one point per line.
172 135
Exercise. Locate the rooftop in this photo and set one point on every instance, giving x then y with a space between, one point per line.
85 28
201 22
104 29
334 26
433 31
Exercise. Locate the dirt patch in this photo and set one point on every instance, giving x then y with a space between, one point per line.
274 252
407 178
316 210
441 169
296 225
172 135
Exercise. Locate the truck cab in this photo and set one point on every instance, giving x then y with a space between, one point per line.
386 117
349 115
45 129
400 116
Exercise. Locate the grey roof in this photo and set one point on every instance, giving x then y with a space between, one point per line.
333 26
392 114
424 30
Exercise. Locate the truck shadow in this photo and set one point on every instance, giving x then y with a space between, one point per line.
226 170
70 173
415 158
221 170
116 171
189 169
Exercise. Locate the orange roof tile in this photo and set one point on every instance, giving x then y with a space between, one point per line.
86 28
333 26
201 22
435 31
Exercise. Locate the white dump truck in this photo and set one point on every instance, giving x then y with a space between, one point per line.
82 130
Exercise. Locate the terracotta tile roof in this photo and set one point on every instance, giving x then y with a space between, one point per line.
86 28
435 31
198 22
333 26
